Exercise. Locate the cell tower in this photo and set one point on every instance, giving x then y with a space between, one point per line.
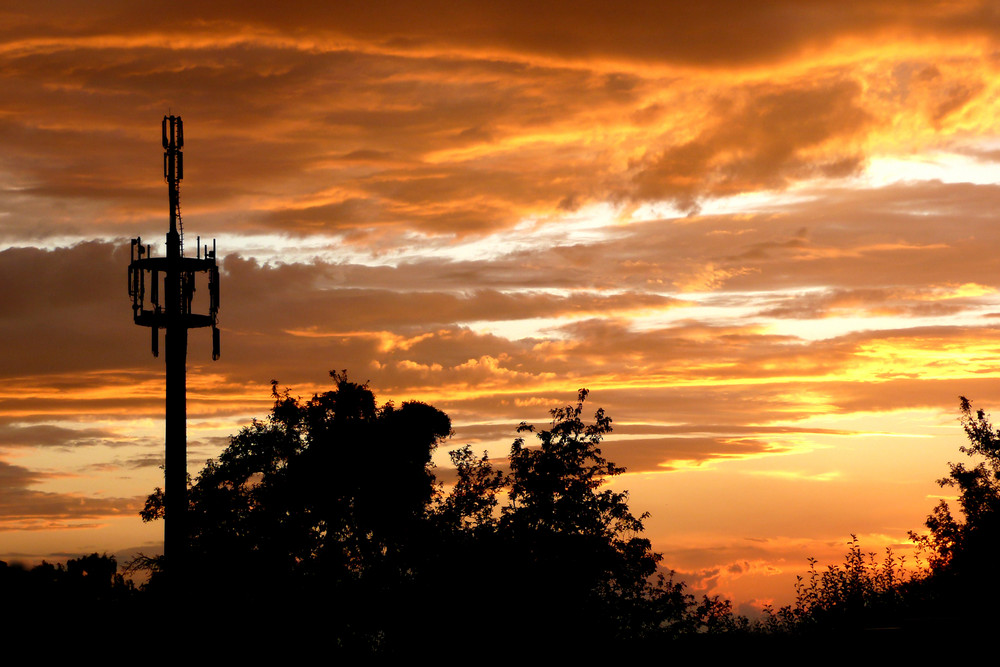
171 285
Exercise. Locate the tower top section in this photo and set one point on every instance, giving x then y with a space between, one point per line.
168 303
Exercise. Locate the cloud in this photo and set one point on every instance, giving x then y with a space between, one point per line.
47 435
24 509
664 454
604 322
761 141
929 301
465 125
710 34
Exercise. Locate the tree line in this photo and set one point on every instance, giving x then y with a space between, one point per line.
326 516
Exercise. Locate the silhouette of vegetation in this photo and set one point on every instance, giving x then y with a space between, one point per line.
954 592
327 496
334 499
861 592
86 589
955 546
962 585
567 546
326 519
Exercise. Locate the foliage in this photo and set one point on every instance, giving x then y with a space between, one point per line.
860 592
85 583
561 550
334 498
326 517
575 541
962 551
956 588
471 506
955 546
323 491
333 502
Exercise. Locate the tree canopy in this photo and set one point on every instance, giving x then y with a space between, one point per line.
962 550
326 520
331 486
335 498
574 542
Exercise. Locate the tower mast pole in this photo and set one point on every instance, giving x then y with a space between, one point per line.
175 465
170 308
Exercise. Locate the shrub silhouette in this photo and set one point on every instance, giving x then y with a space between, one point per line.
862 592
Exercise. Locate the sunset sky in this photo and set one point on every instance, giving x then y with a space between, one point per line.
761 233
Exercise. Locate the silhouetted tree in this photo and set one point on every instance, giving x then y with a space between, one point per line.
575 542
324 494
959 545
962 554
560 548
84 590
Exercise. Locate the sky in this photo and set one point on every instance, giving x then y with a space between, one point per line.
760 233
